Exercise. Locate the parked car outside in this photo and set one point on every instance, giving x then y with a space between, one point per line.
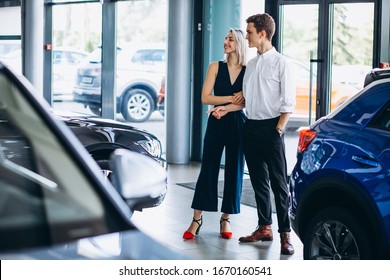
340 185
101 137
139 71
65 61
55 202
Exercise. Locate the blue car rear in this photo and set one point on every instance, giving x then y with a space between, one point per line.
340 185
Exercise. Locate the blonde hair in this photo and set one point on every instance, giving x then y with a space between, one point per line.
239 38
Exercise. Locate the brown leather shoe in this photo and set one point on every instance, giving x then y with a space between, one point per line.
263 233
286 247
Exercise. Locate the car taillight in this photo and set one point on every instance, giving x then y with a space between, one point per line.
305 138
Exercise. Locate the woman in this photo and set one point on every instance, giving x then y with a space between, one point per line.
224 79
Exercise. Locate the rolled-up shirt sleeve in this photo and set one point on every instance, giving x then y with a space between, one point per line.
288 87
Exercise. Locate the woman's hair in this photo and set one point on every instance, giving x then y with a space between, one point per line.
239 38
263 22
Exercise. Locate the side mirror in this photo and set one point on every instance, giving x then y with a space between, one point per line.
140 180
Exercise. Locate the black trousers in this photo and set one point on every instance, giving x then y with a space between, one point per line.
225 133
264 151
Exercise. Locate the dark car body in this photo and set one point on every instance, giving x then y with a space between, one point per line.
340 185
54 201
101 137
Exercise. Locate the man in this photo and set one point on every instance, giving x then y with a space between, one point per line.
269 91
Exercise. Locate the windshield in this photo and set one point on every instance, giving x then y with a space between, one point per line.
96 55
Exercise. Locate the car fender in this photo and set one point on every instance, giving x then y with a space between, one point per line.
149 85
139 85
346 193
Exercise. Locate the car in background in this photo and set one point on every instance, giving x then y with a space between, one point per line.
139 71
55 202
340 185
65 61
101 137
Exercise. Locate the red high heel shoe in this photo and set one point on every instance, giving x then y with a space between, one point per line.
190 235
225 234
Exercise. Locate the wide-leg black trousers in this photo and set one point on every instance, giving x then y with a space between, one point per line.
225 133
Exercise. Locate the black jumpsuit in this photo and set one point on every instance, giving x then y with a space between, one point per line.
223 133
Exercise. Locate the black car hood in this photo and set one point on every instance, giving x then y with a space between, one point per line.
97 122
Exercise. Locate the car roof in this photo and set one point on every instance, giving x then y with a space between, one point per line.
137 46
377 74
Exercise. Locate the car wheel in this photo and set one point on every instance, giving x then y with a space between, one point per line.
97 110
137 105
335 234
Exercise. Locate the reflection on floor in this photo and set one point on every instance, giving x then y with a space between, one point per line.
167 222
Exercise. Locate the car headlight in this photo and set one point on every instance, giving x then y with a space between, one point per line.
152 146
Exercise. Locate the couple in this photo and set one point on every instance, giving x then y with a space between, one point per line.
266 88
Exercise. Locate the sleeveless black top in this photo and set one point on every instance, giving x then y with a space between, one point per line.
223 86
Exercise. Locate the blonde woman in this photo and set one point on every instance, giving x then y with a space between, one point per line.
223 85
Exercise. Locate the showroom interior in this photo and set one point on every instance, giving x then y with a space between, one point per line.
335 42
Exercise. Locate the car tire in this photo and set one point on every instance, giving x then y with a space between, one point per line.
336 234
137 105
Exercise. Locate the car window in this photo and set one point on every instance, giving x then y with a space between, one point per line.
45 198
67 57
58 57
75 58
148 56
382 120
362 108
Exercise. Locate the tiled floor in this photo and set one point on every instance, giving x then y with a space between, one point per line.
168 221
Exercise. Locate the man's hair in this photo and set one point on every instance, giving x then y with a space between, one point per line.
263 22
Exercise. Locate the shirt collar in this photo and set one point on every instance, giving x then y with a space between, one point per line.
267 53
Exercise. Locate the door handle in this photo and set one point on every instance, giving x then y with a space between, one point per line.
365 161
316 60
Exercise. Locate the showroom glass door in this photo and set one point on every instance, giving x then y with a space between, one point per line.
331 46
352 48
299 41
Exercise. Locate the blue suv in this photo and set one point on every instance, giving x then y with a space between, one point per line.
340 185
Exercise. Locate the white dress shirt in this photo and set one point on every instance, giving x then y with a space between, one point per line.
269 86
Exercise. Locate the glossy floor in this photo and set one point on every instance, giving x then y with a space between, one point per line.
168 221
